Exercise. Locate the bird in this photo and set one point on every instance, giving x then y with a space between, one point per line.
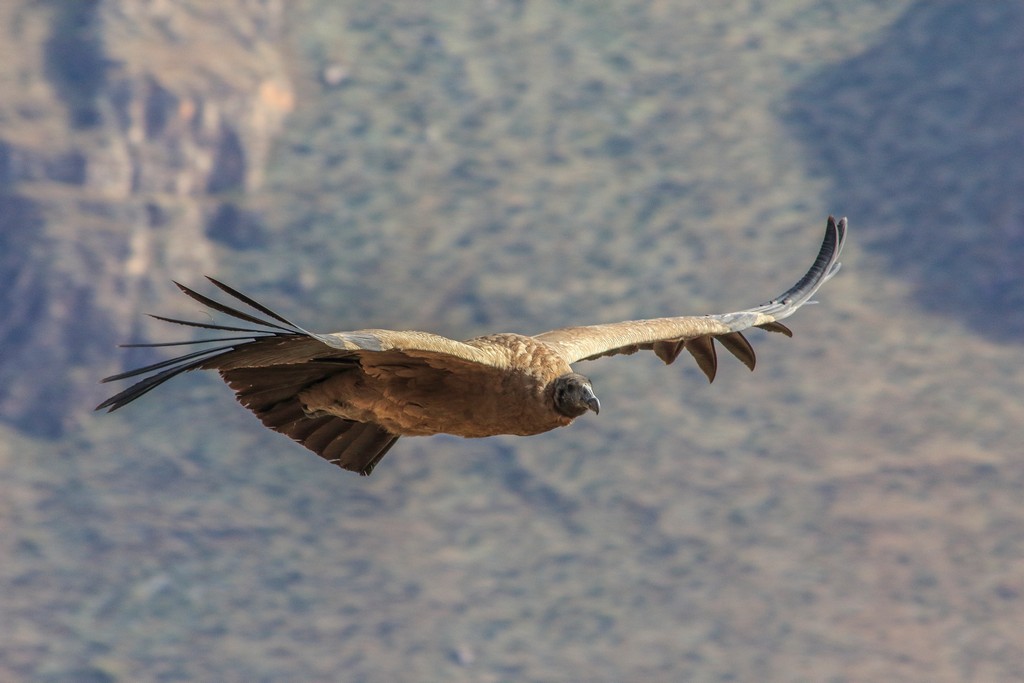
349 396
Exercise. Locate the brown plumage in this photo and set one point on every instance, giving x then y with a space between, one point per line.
348 396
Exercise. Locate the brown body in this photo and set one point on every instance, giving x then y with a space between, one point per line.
348 396
513 396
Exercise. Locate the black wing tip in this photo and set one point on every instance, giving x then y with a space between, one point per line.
826 264
111 404
835 234
165 370
249 301
837 225
836 230
219 284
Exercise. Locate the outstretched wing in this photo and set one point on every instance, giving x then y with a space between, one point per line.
270 361
667 337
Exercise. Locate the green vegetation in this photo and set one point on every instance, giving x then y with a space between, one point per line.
850 511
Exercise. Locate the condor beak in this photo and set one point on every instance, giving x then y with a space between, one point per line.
592 402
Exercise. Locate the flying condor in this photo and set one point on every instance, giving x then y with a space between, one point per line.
348 396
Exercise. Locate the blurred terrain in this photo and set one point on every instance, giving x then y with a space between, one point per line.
851 511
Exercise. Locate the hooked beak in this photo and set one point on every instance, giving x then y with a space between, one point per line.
592 402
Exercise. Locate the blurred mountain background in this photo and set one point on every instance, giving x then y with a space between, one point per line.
851 511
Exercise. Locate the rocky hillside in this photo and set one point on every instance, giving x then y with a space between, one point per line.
123 159
850 511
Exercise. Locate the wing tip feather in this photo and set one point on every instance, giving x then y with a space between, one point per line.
167 369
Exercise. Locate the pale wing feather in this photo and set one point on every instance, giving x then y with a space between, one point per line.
668 336
414 344
429 348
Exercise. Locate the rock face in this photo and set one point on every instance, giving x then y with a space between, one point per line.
139 188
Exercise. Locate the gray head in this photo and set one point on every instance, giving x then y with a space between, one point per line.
574 395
